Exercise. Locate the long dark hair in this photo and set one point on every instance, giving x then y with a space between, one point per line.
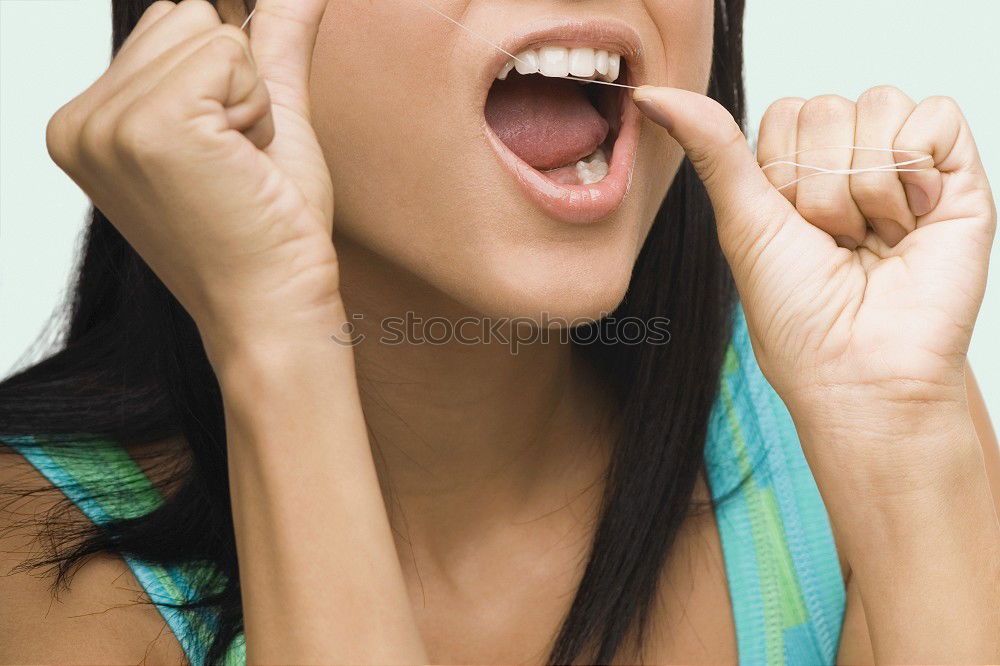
131 368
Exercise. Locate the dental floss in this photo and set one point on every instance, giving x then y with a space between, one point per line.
511 55
898 167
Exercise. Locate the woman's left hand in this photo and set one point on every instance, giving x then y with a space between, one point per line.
861 291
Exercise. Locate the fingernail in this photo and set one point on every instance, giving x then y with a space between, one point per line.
654 111
920 203
642 93
846 242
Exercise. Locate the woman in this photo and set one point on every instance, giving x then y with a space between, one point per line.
236 389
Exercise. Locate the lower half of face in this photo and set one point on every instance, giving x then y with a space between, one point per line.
489 178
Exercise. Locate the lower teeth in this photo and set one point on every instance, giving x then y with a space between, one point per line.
593 168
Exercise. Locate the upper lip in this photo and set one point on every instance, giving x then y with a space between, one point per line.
612 35
579 203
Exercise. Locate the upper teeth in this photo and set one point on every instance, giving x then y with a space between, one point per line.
558 61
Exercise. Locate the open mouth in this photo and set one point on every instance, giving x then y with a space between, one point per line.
564 128
570 143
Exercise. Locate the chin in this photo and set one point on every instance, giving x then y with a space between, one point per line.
501 186
550 290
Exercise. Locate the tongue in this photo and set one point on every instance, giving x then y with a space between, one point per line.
546 122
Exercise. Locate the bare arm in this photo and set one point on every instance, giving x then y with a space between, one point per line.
321 579
856 642
987 435
197 144
862 328
928 572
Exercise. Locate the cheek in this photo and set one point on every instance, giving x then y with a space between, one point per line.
358 93
686 28
686 32
416 184
396 130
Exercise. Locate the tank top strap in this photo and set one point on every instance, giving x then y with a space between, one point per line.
105 483
785 581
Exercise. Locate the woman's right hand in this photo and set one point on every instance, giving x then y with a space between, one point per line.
204 158
196 143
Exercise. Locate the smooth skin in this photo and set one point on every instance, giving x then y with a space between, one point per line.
865 345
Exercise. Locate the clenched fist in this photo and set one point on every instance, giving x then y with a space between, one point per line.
860 291
196 144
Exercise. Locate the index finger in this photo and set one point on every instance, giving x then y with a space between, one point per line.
282 37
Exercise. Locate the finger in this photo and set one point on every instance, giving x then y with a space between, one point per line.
163 132
252 116
282 37
821 198
879 195
936 127
777 143
221 71
719 153
153 13
149 78
248 102
188 19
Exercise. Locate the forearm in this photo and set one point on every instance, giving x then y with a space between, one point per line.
320 578
924 551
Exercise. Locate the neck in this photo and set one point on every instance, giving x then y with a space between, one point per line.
467 435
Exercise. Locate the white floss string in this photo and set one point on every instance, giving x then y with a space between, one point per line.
898 167
247 21
508 53
817 171
479 36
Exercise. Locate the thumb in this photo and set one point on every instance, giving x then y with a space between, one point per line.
282 37
748 209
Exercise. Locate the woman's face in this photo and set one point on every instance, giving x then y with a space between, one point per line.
438 167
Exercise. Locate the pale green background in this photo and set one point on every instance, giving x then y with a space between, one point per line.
52 49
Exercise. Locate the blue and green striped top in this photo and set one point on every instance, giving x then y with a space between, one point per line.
784 576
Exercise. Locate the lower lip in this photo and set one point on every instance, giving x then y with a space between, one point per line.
579 204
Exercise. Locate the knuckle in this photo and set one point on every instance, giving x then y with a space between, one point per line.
133 136
57 138
870 187
731 134
705 158
942 104
200 12
827 107
228 45
784 110
95 137
882 96
782 116
822 207
158 7
234 33
824 218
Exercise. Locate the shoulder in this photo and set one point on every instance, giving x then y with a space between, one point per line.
103 616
